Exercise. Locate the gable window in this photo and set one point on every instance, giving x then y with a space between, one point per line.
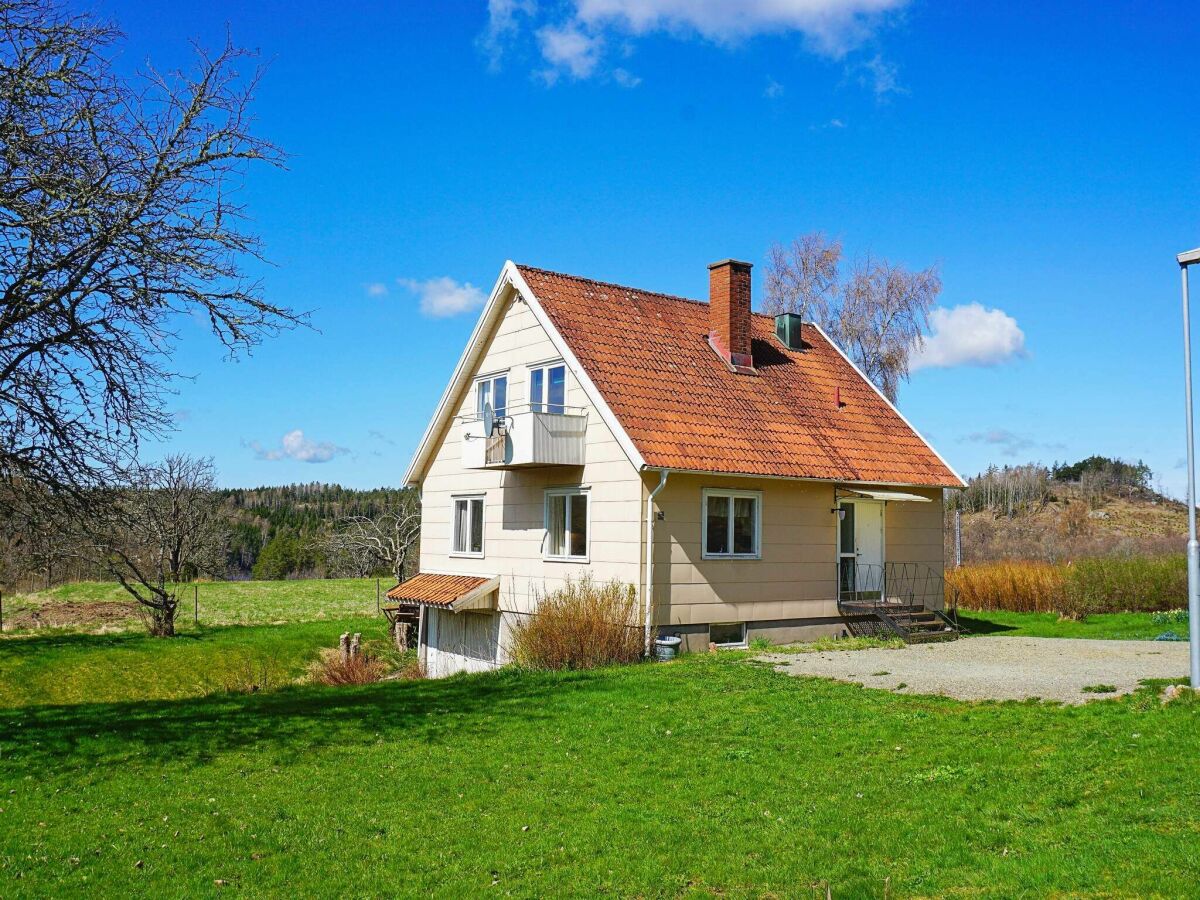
467 539
548 388
492 391
731 524
567 524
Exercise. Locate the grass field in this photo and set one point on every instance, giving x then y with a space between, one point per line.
705 776
1113 626
64 668
220 602
132 765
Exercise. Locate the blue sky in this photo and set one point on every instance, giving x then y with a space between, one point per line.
1044 158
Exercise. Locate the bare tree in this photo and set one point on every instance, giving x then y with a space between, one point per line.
367 543
877 314
117 220
162 526
803 278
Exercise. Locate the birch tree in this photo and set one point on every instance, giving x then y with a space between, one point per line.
877 311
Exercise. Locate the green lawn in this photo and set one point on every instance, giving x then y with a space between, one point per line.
706 776
65 668
1113 626
228 602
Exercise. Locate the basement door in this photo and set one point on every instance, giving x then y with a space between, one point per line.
860 547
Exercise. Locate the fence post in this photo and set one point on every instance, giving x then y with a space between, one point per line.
958 538
1 611
376 596
195 604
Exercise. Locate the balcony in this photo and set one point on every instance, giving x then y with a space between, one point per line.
525 437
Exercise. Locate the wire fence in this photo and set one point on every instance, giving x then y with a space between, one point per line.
89 602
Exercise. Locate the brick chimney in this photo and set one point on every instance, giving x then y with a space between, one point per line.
729 312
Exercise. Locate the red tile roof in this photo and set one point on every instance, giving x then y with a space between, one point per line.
683 408
435 590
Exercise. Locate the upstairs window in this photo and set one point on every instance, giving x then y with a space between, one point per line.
548 388
493 391
731 522
567 524
467 539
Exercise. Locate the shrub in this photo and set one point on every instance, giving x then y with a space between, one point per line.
1170 617
1139 584
580 626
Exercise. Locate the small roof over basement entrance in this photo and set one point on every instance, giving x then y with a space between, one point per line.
452 592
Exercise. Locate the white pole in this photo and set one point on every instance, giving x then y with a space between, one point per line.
1193 546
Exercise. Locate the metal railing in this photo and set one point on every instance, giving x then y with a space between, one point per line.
865 588
511 409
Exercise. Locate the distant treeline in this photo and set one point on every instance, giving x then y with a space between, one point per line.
1009 490
276 532
272 533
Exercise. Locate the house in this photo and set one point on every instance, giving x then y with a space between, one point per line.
736 467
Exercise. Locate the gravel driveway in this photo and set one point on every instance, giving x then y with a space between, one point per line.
998 668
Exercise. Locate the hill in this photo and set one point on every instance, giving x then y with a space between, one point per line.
1097 507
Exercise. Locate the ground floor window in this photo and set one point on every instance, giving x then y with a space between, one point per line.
727 634
567 524
731 522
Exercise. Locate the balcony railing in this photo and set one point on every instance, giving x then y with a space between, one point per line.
526 436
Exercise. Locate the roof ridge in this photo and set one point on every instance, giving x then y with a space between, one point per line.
627 287
612 284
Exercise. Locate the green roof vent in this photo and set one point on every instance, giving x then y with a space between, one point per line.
787 329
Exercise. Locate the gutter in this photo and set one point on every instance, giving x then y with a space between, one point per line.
648 592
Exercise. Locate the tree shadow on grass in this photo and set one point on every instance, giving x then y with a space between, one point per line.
983 626
286 724
39 642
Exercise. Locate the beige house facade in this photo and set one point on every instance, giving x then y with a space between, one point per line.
530 473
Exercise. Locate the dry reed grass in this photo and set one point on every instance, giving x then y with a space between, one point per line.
1014 586
332 669
1073 590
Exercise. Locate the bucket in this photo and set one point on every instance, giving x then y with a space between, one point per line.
667 647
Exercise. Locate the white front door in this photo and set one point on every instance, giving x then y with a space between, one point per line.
860 547
868 532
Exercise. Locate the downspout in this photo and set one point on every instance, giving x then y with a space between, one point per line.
422 614
648 592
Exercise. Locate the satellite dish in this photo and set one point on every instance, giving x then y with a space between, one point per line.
489 419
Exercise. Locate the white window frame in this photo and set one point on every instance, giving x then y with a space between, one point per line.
542 404
732 645
467 498
731 495
567 492
490 380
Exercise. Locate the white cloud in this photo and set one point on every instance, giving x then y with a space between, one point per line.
443 297
832 27
625 78
294 445
969 335
567 48
880 76
502 26
573 35
376 289
773 90
1010 443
